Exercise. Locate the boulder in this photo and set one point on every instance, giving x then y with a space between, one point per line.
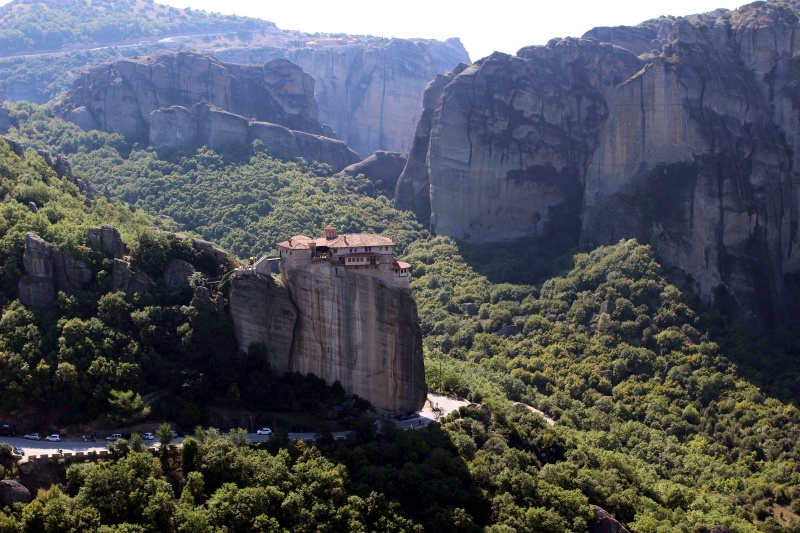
107 239
14 146
37 293
384 167
129 279
11 492
36 258
177 273
206 247
69 273
603 522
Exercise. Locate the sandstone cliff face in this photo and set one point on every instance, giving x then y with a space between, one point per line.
345 327
413 185
119 97
205 125
369 93
511 139
262 312
690 148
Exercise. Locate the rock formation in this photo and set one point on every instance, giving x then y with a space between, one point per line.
340 320
383 167
118 97
603 522
368 90
5 119
191 99
688 148
413 186
205 125
13 492
263 312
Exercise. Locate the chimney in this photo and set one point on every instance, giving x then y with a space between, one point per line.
330 232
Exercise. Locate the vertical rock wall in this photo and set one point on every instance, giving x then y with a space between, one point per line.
340 326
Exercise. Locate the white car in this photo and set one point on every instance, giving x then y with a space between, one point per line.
148 436
53 438
32 436
264 431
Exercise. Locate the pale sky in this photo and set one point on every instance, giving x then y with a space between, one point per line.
483 27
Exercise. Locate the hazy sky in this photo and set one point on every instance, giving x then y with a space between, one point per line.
485 26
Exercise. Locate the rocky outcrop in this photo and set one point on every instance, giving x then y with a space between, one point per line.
5 119
205 247
128 279
368 91
205 125
106 239
13 492
603 522
15 147
689 148
512 137
383 167
344 327
120 96
262 312
177 273
413 186
36 288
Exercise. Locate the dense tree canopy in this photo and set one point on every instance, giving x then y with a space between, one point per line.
664 416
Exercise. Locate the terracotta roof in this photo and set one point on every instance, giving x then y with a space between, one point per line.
296 242
402 264
349 240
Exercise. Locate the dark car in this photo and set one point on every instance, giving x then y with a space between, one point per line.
16 450
7 430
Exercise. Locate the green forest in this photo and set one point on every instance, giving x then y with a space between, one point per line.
52 24
665 415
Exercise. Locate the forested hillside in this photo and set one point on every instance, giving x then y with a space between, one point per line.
664 416
52 24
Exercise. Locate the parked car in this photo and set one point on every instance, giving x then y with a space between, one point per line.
413 415
7 430
113 437
32 436
148 436
55 437
264 431
16 450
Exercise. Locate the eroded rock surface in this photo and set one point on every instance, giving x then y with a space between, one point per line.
343 326
12 491
383 167
262 312
369 93
120 96
688 146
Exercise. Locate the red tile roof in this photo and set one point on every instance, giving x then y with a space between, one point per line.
349 240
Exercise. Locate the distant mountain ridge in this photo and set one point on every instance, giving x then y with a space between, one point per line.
30 26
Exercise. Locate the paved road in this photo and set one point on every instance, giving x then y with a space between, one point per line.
76 444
